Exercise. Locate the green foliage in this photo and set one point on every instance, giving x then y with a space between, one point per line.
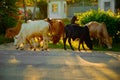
8 11
66 21
111 20
6 22
4 40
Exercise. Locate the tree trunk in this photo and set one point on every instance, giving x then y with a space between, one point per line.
25 13
34 10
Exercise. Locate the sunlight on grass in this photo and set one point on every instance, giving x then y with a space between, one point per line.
61 45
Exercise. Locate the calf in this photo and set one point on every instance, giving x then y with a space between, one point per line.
73 31
11 32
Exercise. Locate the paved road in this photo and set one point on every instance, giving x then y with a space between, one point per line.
57 64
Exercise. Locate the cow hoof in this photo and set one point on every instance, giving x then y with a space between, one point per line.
34 49
42 49
73 49
17 48
31 47
21 48
65 48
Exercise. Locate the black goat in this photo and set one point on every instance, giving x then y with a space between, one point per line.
73 31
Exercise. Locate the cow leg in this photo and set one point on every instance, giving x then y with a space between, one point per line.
17 47
20 46
64 41
45 42
81 42
28 41
69 40
83 45
100 42
79 45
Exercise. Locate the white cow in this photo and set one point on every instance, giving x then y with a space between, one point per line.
33 27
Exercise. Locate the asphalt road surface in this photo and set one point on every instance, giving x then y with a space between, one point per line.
58 64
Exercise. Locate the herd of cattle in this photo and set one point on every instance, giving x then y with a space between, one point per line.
40 32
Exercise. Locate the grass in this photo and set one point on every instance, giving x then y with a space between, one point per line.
115 48
59 45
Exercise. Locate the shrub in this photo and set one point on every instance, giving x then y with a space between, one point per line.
8 11
5 23
43 8
5 40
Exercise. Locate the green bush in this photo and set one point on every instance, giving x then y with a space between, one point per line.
6 22
8 11
5 40
43 8
111 20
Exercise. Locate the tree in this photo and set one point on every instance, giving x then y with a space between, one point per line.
43 8
8 13
25 13
34 10
26 3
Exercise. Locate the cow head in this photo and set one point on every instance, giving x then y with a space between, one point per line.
89 43
108 42
17 41
74 19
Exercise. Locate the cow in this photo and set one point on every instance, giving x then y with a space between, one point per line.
73 31
57 29
11 32
99 31
33 27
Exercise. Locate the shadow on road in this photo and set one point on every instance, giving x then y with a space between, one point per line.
58 64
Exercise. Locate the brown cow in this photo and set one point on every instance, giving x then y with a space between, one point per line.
57 29
99 31
11 32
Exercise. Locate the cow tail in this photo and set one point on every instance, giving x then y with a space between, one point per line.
64 33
